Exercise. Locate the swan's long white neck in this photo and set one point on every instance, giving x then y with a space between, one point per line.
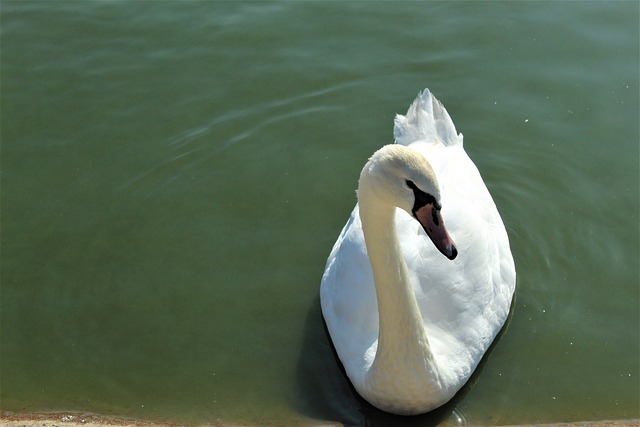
404 362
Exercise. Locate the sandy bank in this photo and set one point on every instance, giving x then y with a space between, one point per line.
90 420
68 419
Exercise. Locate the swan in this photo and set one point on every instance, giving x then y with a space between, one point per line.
421 278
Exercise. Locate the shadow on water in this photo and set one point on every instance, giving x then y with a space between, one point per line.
324 392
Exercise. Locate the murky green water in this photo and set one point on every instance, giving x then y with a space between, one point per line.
174 175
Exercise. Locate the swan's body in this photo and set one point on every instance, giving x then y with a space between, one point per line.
409 325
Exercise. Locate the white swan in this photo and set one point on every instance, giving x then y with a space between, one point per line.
409 325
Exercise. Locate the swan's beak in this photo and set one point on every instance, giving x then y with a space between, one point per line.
431 220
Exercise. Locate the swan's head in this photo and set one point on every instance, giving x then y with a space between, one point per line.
402 177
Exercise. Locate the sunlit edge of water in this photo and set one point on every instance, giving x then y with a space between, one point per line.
88 419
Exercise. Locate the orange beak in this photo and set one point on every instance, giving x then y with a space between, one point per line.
431 220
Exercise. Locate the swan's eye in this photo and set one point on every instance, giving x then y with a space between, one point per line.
422 199
411 185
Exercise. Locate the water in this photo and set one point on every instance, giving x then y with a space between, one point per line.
174 175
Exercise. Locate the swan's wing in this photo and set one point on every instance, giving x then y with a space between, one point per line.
348 298
463 302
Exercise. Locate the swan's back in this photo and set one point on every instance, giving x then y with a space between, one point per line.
464 302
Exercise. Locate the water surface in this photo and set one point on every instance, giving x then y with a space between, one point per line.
174 175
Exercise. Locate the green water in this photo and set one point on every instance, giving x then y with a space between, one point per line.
174 175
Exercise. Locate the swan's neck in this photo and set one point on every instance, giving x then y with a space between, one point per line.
403 360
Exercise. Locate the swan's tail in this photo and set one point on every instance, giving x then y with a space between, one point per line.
426 120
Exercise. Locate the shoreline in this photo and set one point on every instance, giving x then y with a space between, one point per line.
75 419
71 419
